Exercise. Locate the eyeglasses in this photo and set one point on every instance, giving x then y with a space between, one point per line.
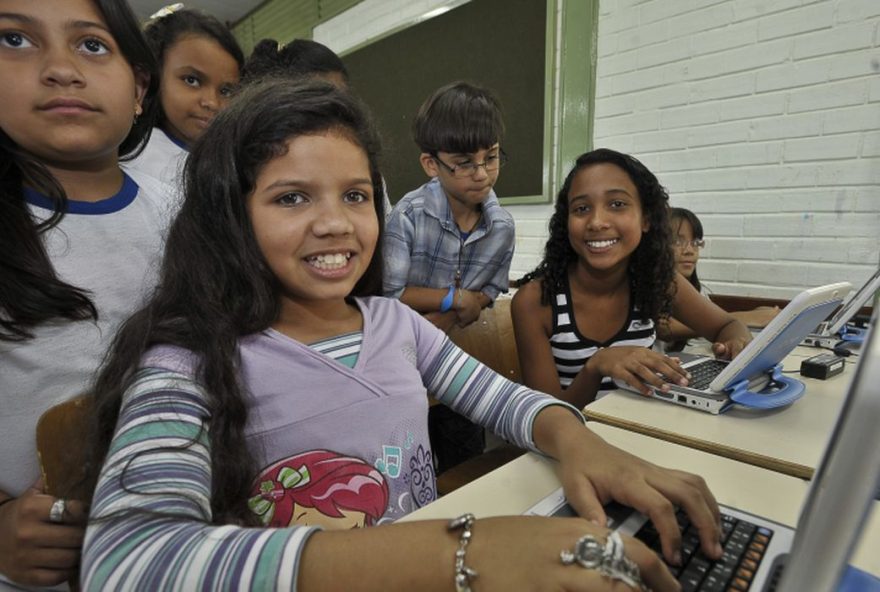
469 169
696 243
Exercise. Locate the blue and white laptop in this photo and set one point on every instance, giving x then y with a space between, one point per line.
762 555
754 378
831 332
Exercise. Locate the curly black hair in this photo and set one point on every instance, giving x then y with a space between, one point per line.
651 266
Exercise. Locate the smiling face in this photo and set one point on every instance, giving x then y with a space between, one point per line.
68 94
605 219
314 218
686 255
198 77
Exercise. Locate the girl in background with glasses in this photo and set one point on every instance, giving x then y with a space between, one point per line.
687 240
588 314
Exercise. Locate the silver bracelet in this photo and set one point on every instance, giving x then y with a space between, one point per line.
463 574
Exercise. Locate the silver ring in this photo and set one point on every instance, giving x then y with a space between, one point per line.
56 513
607 558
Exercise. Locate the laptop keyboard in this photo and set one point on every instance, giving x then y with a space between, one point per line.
744 547
704 373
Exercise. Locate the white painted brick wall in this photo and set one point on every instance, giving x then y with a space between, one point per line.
763 116
777 143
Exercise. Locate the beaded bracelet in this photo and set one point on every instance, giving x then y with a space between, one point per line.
463 573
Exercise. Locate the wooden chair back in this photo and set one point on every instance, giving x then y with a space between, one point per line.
61 432
490 340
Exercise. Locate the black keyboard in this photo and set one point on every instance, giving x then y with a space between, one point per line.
744 547
704 373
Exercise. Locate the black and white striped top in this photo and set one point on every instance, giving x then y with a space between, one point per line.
571 349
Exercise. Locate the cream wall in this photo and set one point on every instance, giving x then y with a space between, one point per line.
761 116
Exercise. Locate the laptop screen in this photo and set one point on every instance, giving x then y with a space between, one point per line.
852 306
844 484
783 333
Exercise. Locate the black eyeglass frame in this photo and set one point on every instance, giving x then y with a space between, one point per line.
473 166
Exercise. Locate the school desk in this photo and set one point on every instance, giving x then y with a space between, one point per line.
788 439
516 486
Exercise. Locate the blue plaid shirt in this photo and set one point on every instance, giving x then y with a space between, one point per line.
422 244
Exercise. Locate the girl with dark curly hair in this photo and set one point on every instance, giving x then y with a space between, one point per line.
587 314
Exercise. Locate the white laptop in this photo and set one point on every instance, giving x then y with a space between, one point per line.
814 555
754 378
831 332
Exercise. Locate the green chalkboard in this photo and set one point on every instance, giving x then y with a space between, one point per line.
499 44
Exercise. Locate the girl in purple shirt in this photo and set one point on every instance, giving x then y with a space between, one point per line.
265 360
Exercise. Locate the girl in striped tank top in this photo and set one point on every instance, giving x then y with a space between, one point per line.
588 313
266 400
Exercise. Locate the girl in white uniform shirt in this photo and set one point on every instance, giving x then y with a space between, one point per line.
199 60
79 241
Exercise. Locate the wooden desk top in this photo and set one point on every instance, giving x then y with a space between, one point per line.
518 485
789 440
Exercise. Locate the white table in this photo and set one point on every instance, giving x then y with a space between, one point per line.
518 485
789 440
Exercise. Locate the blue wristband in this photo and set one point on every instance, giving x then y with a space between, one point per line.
446 303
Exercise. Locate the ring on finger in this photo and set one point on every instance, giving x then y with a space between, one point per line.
607 559
56 512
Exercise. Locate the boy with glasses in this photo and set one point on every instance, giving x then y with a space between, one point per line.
449 243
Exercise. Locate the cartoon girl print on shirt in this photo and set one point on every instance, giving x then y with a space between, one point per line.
320 487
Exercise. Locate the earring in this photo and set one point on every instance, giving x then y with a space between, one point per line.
137 112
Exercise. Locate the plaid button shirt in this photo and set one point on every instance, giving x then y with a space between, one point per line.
422 245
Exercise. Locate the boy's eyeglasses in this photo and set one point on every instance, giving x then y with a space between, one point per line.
696 243
469 169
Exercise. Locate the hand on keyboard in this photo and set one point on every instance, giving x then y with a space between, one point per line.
594 473
744 546
639 367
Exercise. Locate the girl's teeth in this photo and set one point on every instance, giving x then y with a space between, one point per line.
330 261
601 244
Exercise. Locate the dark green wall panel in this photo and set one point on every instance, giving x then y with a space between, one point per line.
499 44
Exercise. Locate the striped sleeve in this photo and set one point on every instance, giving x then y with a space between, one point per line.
479 393
149 527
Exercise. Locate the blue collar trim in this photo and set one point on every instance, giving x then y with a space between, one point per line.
110 205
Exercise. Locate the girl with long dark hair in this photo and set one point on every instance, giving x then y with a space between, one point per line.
79 239
266 341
